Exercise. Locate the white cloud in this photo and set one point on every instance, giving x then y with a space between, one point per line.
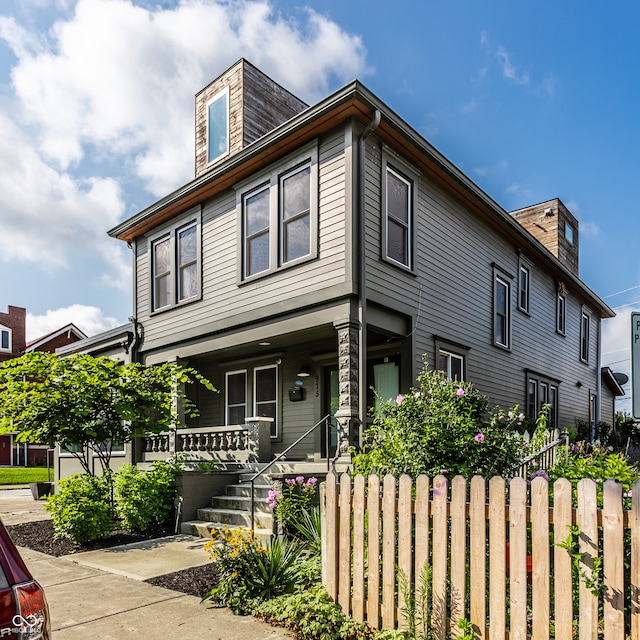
103 105
47 215
120 79
508 69
90 320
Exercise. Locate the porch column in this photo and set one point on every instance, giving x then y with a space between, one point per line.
348 378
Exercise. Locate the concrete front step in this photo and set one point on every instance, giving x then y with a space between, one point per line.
244 489
240 503
235 517
203 529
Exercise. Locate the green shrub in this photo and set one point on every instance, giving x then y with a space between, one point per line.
441 427
249 572
144 497
597 464
81 508
312 615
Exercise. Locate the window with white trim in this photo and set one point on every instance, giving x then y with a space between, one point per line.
501 311
254 390
265 389
398 214
218 126
452 364
524 288
236 397
279 216
5 339
585 336
175 265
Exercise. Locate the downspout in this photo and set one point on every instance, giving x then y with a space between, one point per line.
598 416
362 270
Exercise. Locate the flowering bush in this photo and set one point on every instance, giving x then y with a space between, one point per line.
442 427
298 497
249 572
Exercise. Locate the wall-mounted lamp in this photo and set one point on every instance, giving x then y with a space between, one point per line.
304 371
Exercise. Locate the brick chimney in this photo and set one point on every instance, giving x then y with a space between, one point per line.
554 226
237 108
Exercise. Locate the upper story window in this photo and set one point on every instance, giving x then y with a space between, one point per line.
218 126
175 265
568 232
501 310
398 217
585 336
524 288
561 313
279 214
5 339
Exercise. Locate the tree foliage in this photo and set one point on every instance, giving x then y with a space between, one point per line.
83 402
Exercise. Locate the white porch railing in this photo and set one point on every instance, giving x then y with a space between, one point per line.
247 443
546 455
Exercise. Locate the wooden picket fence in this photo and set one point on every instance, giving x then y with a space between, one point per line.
501 564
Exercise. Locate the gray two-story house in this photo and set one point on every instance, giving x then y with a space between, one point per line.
321 251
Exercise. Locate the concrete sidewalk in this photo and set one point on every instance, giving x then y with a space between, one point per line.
100 594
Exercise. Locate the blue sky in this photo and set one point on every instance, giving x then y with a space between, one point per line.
532 100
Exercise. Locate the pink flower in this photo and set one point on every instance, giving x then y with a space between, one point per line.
521 418
272 498
479 437
399 398
443 471
460 392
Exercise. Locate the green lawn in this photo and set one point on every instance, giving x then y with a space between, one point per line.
23 475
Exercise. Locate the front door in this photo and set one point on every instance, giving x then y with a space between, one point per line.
331 404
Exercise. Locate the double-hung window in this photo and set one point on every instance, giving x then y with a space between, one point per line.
279 216
399 182
398 210
501 311
236 397
252 390
585 336
5 339
175 264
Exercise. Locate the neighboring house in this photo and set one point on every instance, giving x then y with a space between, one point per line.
321 251
12 345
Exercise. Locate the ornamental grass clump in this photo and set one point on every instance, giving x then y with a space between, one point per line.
248 571
442 426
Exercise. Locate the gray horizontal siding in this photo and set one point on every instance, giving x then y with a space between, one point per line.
223 299
450 295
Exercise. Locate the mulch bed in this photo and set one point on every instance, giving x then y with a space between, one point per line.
196 581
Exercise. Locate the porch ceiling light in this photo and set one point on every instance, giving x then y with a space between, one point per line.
304 372
264 343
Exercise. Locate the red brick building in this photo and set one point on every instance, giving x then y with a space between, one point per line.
12 345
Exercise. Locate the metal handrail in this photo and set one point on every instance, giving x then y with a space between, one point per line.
327 421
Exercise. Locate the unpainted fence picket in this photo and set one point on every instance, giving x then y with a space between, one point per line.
502 555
